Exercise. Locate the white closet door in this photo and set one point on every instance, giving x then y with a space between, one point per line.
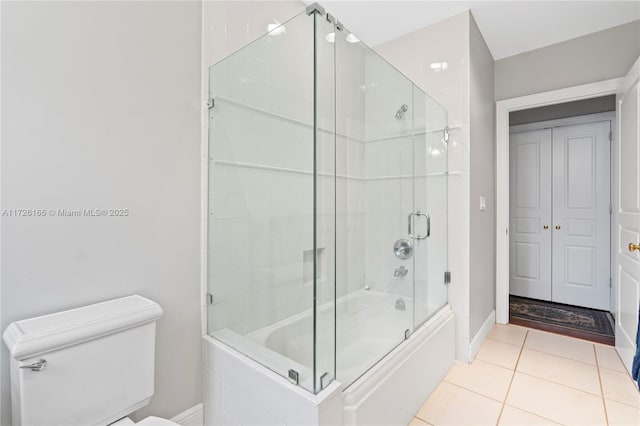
581 215
530 212
627 268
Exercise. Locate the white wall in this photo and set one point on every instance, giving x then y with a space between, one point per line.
594 57
482 270
100 109
465 89
447 41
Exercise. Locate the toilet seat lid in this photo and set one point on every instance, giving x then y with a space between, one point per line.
156 421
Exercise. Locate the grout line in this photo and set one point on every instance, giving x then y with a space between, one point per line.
622 403
561 356
471 390
533 414
611 369
512 377
417 416
604 405
559 384
506 343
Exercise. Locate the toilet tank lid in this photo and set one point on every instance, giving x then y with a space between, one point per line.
39 335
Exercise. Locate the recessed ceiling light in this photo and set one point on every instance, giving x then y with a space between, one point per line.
439 66
352 39
331 37
276 28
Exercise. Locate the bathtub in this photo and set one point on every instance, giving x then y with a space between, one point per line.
369 388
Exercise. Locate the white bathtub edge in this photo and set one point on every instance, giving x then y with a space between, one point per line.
481 335
361 387
194 416
393 391
389 393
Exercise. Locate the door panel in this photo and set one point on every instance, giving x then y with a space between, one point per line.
530 212
581 217
627 268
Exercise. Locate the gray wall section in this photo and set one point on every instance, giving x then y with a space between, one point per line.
567 109
594 57
101 109
482 257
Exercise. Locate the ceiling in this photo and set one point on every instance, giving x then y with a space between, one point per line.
508 27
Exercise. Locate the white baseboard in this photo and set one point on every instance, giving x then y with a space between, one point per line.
481 335
194 416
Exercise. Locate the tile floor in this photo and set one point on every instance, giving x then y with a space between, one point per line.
523 377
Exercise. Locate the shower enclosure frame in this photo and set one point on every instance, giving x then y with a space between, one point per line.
321 18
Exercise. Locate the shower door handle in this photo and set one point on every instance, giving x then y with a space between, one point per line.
410 225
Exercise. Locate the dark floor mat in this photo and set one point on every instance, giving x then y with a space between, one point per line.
585 323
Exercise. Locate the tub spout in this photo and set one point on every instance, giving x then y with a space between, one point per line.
401 271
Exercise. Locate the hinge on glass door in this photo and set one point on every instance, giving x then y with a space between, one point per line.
447 277
325 379
210 298
407 333
446 135
294 377
210 103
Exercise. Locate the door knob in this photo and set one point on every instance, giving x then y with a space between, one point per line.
557 226
546 226
633 247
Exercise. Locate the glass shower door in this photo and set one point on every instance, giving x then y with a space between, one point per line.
430 143
375 195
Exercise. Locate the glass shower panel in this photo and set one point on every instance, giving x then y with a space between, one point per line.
262 257
325 203
327 170
374 197
430 192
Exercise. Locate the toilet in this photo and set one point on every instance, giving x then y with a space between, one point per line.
93 365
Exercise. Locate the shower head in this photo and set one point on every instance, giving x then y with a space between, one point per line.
400 113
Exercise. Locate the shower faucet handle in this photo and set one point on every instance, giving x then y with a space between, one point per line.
403 249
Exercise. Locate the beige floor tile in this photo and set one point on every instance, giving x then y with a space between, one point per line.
499 353
619 387
516 417
452 405
608 358
568 347
555 402
622 414
561 370
511 334
481 377
417 422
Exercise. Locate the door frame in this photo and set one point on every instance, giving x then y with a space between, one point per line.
609 116
503 108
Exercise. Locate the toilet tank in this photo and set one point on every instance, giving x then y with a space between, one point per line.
98 363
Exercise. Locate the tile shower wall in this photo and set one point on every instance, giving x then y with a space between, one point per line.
447 42
260 188
405 163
